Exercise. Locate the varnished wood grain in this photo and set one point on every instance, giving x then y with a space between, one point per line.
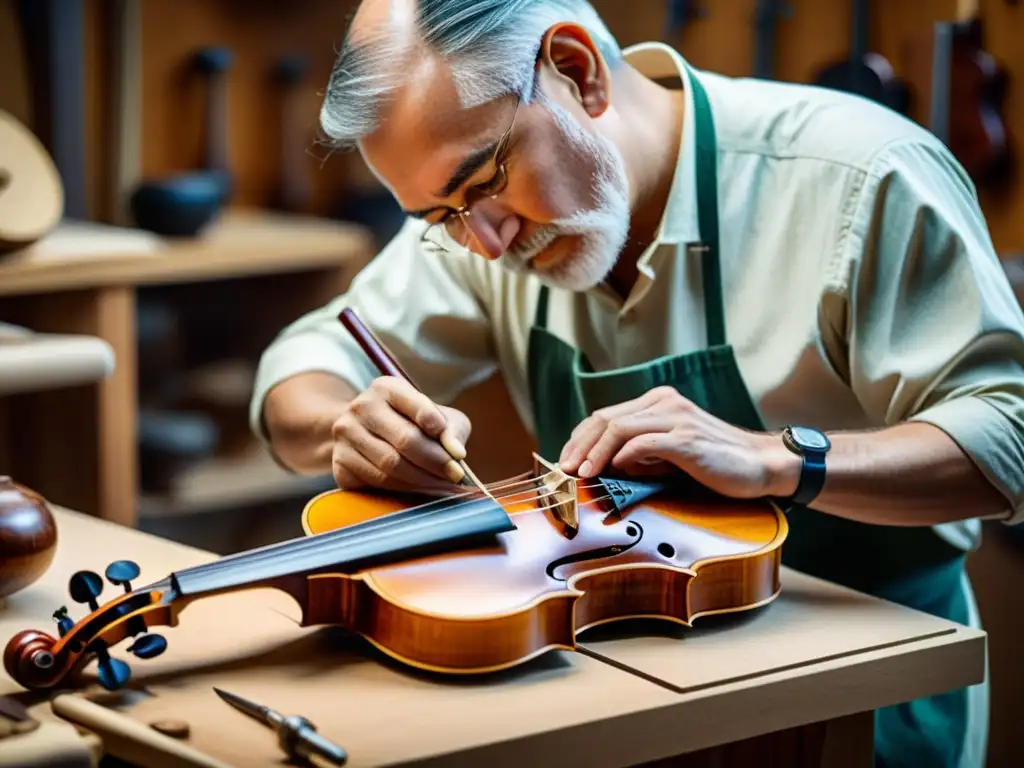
536 588
28 536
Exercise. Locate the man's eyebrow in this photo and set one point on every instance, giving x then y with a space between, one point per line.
473 163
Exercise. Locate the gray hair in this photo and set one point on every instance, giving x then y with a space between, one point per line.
491 46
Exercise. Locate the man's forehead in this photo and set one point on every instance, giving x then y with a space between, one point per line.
425 110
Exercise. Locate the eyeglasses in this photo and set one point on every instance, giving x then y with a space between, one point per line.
452 231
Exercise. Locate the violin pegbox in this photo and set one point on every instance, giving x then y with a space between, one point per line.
32 658
557 490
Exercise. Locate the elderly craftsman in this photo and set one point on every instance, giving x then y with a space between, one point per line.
780 290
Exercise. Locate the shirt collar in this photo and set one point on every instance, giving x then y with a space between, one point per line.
679 222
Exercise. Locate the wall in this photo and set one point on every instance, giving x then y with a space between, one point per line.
172 108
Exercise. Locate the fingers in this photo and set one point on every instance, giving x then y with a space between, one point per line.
402 436
363 459
411 403
617 434
645 453
589 431
390 437
456 432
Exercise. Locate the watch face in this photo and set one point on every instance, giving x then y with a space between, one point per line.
809 439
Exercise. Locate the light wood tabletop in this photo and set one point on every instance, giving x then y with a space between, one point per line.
817 653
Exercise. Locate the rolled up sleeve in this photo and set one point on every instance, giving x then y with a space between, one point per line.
423 307
936 334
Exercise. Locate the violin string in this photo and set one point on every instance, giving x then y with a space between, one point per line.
442 504
201 572
361 530
343 536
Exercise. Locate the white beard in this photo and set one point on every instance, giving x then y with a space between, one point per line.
602 230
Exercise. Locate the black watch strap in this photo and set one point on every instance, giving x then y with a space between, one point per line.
812 478
811 445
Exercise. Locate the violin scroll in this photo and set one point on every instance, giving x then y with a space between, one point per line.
35 659
29 659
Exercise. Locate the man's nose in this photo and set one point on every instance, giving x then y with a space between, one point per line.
492 228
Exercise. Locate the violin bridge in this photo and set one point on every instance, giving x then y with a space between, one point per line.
559 492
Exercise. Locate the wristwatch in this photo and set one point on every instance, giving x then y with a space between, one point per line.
812 445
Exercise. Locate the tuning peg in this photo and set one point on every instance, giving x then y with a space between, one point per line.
149 646
122 572
113 673
85 587
64 622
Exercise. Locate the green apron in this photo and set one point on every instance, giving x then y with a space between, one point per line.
911 566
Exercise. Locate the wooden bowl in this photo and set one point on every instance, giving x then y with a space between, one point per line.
28 536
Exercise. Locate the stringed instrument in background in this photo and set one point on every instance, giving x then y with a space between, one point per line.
766 18
865 72
469 583
969 90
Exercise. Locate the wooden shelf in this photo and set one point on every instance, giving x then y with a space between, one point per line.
34 362
241 243
252 477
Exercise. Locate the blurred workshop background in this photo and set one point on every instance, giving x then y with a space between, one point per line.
165 209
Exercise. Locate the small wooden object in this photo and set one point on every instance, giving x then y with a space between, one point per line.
31 192
177 729
129 738
28 536
14 718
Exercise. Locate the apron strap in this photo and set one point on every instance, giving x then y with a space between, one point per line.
707 212
540 315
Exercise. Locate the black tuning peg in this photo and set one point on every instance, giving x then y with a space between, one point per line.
122 572
85 587
113 673
149 646
64 622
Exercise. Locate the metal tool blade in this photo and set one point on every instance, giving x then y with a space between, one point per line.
250 708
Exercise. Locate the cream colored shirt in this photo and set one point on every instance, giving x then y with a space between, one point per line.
861 286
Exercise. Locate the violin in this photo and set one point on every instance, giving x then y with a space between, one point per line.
473 582
978 87
866 73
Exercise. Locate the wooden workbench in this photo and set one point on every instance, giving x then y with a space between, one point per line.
799 677
82 279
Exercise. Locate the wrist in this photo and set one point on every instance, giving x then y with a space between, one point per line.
782 467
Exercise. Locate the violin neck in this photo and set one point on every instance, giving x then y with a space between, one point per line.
441 525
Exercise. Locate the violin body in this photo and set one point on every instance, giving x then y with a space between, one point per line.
534 589
468 585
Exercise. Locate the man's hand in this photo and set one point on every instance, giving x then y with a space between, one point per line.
390 436
662 431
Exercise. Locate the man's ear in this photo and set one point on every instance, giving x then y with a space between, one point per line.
569 51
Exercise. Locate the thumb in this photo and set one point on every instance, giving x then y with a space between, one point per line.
456 432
